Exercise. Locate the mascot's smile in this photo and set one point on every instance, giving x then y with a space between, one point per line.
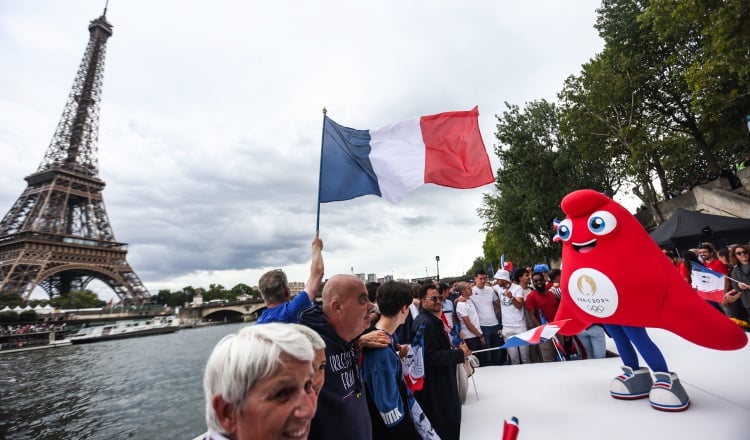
585 247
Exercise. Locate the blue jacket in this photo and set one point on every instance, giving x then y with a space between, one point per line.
342 406
286 312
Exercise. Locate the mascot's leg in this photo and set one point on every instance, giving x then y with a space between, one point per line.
635 382
646 347
667 393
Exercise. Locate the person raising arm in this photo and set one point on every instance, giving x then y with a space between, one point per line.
274 288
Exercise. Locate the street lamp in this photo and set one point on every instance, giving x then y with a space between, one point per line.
437 264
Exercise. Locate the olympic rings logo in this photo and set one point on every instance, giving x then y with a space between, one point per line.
594 308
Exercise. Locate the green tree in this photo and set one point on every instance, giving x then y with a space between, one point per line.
480 263
647 99
607 121
77 299
9 317
28 316
191 291
663 103
216 291
244 289
164 297
538 166
11 300
711 38
661 46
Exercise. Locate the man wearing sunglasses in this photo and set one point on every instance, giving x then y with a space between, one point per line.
439 395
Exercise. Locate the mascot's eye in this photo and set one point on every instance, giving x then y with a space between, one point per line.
565 229
602 222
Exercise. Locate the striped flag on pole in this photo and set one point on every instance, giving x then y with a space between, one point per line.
536 335
555 225
708 284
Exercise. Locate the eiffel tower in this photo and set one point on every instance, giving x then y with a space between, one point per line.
57 235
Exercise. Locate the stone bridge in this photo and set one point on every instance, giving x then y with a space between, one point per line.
234 311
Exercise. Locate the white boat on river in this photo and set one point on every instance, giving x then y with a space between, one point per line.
32 341
126 329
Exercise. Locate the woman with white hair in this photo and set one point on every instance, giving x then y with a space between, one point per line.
319 361
258 385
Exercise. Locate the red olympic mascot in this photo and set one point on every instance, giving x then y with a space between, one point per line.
599 287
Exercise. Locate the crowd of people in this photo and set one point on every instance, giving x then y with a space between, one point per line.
338 368
39 327
732 262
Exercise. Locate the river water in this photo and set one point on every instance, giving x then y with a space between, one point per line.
139 388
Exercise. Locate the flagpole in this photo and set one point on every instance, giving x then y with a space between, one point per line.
320 169
695 266
487 349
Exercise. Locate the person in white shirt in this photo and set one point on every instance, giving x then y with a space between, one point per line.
513 316
487 303
467 315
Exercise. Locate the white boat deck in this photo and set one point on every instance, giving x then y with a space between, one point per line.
570 400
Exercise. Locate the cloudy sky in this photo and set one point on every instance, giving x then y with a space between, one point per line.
211 120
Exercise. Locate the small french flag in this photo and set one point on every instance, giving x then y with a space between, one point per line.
708 284
555 225
536 335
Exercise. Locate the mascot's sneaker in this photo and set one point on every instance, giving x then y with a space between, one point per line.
667 394
631 384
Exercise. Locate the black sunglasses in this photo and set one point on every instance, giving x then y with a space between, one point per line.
435 298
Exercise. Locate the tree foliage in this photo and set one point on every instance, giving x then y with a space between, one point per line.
662 105
77 299
28 316
539 164
214 291
11 300
687 105
9 317
480 263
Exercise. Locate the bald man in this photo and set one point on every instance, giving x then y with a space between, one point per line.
345 313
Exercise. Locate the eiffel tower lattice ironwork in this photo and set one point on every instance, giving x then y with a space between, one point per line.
57 234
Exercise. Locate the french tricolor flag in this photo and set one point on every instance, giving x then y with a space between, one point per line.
536 335
445 149
555 226
708 284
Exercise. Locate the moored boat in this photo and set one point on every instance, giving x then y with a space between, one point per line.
126 329
32 341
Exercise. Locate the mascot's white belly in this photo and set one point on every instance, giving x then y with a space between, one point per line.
593 292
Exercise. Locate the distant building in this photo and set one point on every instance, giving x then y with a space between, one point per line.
361 276
388 278
296 287
371 278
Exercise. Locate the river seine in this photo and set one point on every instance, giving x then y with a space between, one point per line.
140 388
